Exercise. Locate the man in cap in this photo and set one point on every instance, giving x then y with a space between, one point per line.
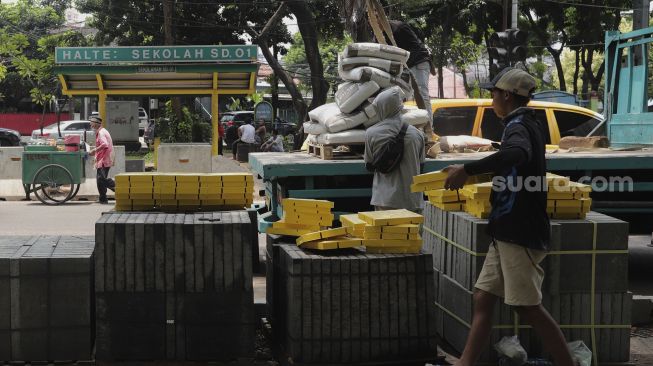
518 222
104 156
391 189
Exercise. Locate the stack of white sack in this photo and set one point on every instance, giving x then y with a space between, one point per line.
367 69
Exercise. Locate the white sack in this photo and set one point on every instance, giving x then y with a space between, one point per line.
314 128
462 142
392 67
365 73
351 95
336 121
412 116
383 51
340 138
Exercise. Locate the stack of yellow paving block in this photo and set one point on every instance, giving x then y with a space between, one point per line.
477 199
432 184
567 199
355 223
302 216
134 191
392 231
183 192
329 239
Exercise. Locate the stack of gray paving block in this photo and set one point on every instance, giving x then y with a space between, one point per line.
354 308
566 289
46 298
174 286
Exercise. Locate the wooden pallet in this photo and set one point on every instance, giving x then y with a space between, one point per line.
329 152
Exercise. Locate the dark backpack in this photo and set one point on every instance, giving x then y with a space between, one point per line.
389 155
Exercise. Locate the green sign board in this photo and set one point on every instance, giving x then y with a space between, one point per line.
154 54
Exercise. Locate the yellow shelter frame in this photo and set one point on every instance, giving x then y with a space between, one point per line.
169 79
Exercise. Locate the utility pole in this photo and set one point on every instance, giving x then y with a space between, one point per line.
513 13
169 40
640 14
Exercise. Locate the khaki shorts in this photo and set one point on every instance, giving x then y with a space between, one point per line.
514 273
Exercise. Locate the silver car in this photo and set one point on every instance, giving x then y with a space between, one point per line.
75 127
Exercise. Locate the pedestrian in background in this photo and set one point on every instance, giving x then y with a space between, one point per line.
246 135
274 143
419 63
104 159
518 223
261 131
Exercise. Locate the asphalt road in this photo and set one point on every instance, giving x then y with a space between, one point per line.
35 218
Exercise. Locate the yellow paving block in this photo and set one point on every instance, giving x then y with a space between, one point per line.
308 211
122 180
140 177
287 202
322 234
122 192
399 229
210 192
210 178
326 220
288 225
335 243
239 202
164 191
478 205
390 242
123 206
237 177
141 204
430 177
423 187
357 233
391 217
444 193
414 249
288 232
352 220
479 214
141 193
392 236
163 178
450 206
242 190
557 195
485 187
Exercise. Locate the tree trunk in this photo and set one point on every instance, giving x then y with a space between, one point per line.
274 86
599 75
576 71
561 74
169 39
298 101
308 30
440 82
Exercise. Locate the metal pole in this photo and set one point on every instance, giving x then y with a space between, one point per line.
515 8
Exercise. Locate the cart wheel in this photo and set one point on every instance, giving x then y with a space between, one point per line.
53 184
75 192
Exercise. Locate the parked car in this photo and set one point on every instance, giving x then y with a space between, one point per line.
9 137
236 118
74 127
475 117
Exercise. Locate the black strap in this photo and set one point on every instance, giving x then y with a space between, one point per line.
402 132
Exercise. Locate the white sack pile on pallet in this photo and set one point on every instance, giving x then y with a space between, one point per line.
367 68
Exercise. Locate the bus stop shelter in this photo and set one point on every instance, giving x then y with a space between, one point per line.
158 71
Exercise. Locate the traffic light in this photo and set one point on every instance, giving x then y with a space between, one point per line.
506 49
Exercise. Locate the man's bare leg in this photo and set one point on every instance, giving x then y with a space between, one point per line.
479 334
547 328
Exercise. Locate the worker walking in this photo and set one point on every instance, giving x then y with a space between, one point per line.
518 223
104 159
419 63
394 151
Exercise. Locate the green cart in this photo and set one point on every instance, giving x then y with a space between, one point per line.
53 176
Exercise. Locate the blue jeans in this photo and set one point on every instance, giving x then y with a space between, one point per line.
421 73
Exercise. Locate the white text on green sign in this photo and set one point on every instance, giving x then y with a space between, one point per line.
158 54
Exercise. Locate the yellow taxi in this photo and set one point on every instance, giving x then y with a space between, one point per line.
475 117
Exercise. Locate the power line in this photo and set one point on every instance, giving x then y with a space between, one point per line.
586 5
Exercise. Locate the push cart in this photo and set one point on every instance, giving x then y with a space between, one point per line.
53 176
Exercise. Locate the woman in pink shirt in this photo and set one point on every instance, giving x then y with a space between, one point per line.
103 152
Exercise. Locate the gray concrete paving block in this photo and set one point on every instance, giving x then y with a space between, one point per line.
642 310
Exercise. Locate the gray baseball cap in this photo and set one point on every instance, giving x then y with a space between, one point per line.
513 80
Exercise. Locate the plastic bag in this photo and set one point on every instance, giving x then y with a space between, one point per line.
580 353
511 348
